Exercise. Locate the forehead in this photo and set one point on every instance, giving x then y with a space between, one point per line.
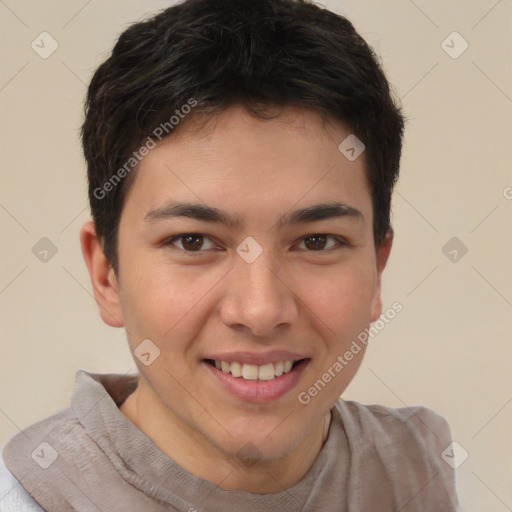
238 160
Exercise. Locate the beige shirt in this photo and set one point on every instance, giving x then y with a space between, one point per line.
90 457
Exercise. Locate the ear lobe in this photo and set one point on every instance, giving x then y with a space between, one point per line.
103 279
382 254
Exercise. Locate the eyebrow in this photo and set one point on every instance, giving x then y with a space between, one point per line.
202 212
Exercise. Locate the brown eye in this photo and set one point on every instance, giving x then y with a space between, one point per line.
192 242
316 242
320 242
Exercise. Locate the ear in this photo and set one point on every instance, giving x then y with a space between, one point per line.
382 255
103 279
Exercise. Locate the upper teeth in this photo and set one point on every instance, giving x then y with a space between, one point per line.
254 372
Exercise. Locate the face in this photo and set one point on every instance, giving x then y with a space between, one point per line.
273 267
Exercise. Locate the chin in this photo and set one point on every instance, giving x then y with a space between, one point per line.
252 447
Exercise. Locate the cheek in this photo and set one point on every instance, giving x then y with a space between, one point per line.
170 304
157 304
341 298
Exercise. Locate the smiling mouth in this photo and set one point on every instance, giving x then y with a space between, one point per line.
265 372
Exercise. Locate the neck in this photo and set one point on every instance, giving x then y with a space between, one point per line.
201 458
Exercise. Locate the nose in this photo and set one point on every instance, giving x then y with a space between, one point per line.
257 298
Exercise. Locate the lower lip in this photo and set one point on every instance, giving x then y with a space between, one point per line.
258 391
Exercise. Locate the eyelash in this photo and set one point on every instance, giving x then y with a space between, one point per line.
169 242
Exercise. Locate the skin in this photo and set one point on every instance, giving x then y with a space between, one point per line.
291 297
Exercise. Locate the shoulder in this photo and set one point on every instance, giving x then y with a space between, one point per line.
389 425
13 497
402 450
19 473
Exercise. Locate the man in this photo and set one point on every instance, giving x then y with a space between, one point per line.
241 158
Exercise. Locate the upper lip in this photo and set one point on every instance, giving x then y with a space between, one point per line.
272 356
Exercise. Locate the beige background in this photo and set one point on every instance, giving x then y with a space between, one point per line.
449 348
